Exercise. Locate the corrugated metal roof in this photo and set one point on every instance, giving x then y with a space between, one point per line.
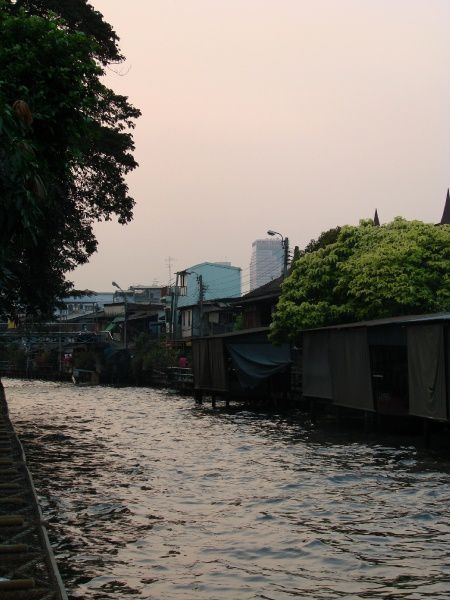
237 333
404 319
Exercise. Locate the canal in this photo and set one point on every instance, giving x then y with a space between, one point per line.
148 496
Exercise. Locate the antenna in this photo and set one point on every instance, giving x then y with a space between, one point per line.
169 262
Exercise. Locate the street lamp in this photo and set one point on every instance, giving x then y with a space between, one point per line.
125 322
285 246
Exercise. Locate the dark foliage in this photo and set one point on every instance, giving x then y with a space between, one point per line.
325 239
65 149
78 15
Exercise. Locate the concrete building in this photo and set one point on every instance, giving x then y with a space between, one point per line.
266 262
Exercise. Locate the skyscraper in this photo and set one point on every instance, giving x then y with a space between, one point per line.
266 262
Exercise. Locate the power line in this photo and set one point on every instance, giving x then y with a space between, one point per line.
222 288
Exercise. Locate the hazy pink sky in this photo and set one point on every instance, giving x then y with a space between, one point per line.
294 115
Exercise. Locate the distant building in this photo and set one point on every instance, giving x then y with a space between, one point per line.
197 286
87 304
266 262
140 294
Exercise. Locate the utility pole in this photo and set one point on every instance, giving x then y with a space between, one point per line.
285 247
173 307
125 321
201 292
285 244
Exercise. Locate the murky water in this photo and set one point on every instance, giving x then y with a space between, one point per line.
149 496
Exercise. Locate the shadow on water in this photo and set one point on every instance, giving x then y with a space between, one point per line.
294 426
151 496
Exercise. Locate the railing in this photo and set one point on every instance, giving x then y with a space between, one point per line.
180 375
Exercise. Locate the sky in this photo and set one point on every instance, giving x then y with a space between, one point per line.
291 115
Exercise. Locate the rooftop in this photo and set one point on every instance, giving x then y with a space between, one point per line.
401 320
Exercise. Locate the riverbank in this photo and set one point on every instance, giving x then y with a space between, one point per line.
28 570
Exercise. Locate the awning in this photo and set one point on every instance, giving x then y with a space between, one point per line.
113 323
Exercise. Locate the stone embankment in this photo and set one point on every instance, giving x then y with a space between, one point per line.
28 569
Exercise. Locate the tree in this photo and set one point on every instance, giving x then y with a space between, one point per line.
64 152
369 272
325 239
77 15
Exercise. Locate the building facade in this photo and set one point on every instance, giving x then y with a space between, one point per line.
196 287
266 262
218 280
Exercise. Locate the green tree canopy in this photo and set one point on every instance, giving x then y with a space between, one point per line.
65 148
325 239
369 272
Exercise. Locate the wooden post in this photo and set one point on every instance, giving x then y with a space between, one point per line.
368 421
427 433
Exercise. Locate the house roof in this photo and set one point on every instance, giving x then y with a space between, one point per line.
272 289
137 306
223 265
144 314
446 214
376 219
210 304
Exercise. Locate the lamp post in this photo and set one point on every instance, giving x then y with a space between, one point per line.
285 246
125 322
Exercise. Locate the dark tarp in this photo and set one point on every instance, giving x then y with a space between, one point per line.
256 362
387 336
350 367
208 362
316 365
426 371
447 337
200 364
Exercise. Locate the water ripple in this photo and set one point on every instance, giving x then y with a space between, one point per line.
149 496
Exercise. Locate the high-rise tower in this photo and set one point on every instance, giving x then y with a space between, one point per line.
266 262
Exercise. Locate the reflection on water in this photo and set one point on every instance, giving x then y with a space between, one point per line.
149 496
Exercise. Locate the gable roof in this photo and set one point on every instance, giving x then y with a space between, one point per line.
376 219
446 214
